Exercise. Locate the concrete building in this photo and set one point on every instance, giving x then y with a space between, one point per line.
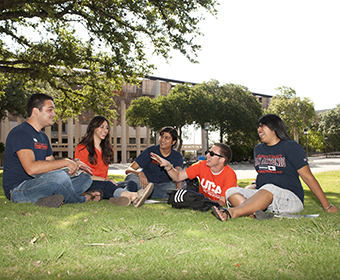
127 142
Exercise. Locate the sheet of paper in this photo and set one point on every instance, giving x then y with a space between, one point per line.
295 216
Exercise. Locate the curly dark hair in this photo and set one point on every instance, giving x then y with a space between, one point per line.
88 141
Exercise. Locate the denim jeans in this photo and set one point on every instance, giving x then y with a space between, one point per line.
111 190
160 190
50 183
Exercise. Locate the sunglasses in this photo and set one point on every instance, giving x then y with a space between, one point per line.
211 153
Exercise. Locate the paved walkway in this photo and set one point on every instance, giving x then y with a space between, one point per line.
247 171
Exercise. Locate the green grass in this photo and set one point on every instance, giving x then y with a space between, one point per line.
97 240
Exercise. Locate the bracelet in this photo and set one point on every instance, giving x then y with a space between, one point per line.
170 168
329 207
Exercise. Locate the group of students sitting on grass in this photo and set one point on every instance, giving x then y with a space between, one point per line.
31 174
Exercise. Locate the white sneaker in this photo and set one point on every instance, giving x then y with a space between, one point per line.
142 195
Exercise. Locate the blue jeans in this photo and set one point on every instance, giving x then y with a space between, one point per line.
50 183
111 190
160 190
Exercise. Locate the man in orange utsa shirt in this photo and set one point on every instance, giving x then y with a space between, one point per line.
214 174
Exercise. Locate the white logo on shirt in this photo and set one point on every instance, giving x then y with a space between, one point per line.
210 186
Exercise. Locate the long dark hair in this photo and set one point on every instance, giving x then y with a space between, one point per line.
275 124
88 141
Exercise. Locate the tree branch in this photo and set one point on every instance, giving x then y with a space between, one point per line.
15 70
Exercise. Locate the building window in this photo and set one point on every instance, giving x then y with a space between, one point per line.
132 140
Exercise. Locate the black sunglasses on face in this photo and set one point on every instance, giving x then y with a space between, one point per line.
211 153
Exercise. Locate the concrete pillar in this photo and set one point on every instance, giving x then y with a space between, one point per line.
48 132
77 132
157 88
123 125
138 140
5 128
60 135
147 137
157 138
127 143
70 136
296 135
115 146
204 136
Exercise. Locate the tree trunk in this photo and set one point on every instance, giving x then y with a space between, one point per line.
296 135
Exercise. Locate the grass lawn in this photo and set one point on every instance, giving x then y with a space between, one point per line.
97 240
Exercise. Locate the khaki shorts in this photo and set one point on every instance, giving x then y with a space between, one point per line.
284 201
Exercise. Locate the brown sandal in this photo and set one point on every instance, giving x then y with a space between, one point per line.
93 195
217 212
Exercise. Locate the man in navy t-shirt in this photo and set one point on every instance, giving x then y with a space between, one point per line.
150 171
30 172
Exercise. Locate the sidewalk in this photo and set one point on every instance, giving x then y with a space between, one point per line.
247 171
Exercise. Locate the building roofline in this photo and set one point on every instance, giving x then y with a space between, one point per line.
263 95
183 82
169 80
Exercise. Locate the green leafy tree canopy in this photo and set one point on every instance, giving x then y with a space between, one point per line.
230 108
177 110
329 125
330 121
297 113
85 50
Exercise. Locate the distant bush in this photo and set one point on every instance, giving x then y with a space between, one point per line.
241 153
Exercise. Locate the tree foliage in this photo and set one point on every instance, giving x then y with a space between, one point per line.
234 113
85 50
245 109
329 125
315 141
13 100
230 108
177 109
297 113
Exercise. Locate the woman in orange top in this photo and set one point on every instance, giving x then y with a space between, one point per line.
95 150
